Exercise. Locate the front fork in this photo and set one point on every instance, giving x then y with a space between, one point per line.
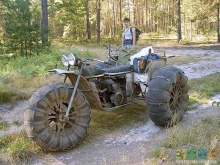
66 75
73 94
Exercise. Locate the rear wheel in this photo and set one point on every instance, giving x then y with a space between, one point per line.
155 65
44 117
167 96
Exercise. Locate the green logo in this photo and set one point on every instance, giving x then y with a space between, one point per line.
191 154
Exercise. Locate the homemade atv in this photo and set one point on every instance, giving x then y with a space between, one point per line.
58 115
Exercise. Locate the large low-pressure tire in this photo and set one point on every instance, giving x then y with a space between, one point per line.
44 117
155 65
167 96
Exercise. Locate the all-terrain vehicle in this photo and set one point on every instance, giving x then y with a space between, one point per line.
58 115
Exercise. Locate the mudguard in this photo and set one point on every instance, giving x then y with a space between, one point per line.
72 75
88 88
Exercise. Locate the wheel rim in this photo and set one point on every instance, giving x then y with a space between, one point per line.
175 97
56 117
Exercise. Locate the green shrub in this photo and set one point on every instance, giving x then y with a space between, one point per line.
184 41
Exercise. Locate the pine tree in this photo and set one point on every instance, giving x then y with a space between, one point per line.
22 32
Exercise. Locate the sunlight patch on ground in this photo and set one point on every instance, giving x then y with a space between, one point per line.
200 69
141 133
192 52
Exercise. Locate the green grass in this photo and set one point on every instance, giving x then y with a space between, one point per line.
203 134
159 153
104 122
17 148
16 122
4 126
20 77
207 86
198 135
181 59
201 90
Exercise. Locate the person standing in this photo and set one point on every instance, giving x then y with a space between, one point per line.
128 47
129 35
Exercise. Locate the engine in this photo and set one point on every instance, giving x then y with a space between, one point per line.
112 93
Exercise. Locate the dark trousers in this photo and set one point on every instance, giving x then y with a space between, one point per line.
127 42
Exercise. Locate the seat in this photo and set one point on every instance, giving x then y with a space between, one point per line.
118 69
89 71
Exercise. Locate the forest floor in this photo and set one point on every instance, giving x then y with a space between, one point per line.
132 144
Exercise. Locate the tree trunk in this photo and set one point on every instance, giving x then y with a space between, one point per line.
179 22
146 17
218 22
98 21
134 13
129 12
191 30
44 23
120 8
114 17
87 20
168 22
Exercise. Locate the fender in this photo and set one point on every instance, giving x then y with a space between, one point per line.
72 75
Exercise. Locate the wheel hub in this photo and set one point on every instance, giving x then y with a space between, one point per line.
175 97
62 118
56 118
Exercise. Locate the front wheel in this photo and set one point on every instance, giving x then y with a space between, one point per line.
44 117
167 96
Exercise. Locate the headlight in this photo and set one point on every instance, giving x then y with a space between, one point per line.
70 59
64 60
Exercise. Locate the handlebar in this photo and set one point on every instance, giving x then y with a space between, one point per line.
105 46
165 57
112 53
109 48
